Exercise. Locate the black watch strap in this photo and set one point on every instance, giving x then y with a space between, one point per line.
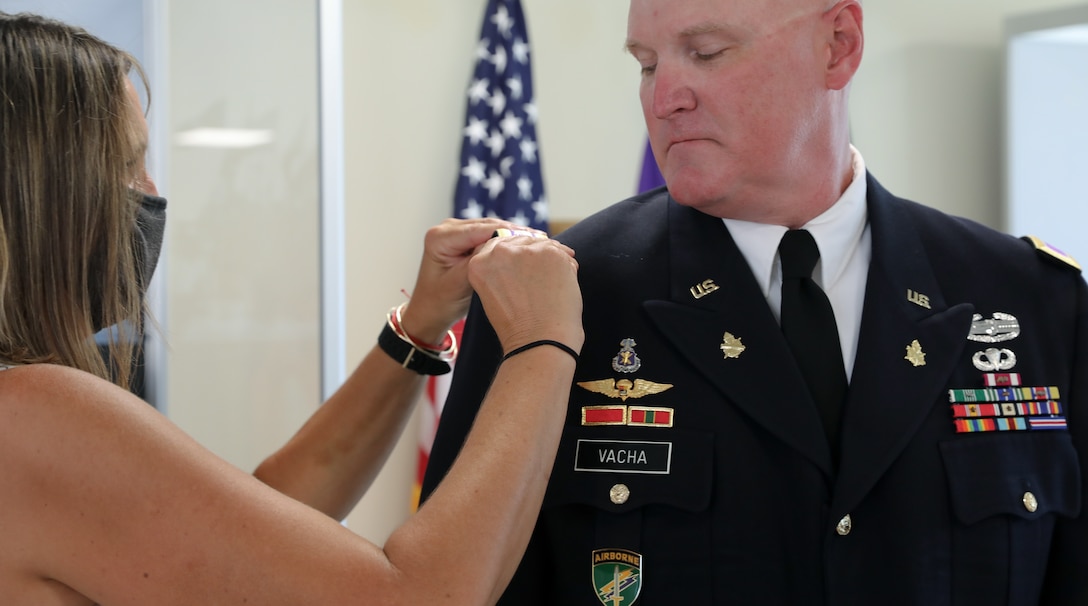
410 356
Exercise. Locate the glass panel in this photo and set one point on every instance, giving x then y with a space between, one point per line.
242 335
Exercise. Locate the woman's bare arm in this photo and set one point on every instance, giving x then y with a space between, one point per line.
337 454
102 494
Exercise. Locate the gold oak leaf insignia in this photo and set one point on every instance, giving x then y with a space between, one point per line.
624 388
915 355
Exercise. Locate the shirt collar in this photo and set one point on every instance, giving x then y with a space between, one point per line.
837 232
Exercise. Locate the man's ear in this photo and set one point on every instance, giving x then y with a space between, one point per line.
845 44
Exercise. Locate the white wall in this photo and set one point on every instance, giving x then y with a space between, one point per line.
928 101
1048 125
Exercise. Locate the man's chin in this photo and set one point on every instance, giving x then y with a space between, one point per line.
687 189
703 199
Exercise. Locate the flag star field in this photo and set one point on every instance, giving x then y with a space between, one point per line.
500 173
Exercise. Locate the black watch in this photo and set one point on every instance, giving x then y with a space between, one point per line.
410 356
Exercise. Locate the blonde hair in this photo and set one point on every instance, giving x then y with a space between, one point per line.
66 214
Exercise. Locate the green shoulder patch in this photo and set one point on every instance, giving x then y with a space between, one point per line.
1051 253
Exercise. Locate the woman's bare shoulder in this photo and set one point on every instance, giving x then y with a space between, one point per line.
36 383
50 397
50 415
42 407
100 492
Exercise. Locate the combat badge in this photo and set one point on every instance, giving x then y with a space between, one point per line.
617 576
1002 327
626 360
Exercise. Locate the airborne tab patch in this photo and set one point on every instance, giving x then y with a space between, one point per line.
617 576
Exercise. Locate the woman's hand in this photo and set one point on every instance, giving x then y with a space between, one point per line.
529 289
442 292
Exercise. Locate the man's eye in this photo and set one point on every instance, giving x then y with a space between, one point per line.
709 56
648 70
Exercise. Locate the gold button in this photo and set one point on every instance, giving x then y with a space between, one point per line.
844 526
1030 502
619 494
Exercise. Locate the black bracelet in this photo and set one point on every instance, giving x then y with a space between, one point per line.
528 346
409 356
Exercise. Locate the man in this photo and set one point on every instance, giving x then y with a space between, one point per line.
703 461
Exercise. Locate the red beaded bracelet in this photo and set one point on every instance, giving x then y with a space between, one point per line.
446 351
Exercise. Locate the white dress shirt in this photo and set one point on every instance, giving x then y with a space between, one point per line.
842 235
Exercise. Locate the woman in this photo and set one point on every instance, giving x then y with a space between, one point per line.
102 500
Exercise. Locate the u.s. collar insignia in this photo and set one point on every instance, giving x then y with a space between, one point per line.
1002 327
731 346
624 388
703 289
617 576
918 298
626 360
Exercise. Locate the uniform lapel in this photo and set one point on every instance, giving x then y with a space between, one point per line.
889 395
763 380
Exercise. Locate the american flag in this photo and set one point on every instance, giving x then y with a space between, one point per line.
499 175
500 160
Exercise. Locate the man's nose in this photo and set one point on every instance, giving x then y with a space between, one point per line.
670 92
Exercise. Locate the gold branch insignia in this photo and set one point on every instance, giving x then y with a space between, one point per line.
624 388
731 346
915 355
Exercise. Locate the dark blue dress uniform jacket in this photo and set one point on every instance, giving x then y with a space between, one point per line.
748 510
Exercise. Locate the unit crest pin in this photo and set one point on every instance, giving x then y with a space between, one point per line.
626 360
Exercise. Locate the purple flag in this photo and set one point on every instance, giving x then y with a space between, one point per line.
650 178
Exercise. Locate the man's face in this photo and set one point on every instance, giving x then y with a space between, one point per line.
732 91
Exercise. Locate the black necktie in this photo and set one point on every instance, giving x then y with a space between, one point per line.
808 322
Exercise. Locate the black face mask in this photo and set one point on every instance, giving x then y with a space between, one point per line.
150 226
147 244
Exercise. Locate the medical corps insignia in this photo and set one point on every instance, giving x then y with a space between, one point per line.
617 576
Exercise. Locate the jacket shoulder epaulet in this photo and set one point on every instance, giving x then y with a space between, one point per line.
1052 254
